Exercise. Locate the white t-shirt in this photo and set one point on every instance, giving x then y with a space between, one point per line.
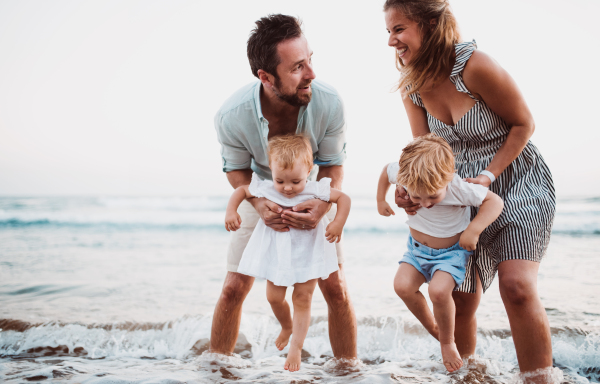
451 215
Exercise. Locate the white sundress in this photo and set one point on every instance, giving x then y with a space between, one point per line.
287 258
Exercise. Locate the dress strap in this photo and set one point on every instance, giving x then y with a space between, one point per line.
416 99
463 54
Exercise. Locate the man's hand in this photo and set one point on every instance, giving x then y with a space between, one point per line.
270 213
306 215
403 201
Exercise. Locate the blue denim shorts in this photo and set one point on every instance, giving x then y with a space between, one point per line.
429 260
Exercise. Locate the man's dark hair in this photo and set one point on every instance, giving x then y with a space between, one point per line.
264 38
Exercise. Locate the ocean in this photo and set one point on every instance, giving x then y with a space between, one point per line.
122 290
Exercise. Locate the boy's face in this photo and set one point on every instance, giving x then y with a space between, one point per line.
426 199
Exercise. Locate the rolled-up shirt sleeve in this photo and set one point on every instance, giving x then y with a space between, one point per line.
233 152
332 148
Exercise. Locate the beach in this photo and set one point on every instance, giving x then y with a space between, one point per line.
122 290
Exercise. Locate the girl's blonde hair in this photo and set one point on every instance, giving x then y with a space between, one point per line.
426 164
434 59
286 149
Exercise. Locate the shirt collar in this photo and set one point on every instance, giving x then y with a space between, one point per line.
259 113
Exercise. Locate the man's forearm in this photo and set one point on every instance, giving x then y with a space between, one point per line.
335 173
239 177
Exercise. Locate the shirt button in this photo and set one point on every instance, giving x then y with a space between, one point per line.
416 245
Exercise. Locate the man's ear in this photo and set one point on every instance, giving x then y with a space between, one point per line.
266 79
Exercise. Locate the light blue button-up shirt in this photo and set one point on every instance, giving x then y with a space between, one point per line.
243 131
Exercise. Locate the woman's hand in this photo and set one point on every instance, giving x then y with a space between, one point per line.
403 201
306 215
481 179
333 232
270 213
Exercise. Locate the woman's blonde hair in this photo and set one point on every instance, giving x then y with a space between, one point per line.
439 31
426 164
286 149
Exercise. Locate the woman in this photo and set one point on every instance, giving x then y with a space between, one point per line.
464 96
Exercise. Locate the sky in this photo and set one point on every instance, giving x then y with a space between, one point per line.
117 97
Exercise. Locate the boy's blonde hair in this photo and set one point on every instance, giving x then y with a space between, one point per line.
426 164
286 149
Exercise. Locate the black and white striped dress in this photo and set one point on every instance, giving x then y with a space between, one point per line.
523 229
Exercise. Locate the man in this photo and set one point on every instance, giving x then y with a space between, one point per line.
286 100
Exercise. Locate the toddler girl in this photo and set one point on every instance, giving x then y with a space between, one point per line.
442 236
298 257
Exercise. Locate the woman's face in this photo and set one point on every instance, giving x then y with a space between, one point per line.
404 35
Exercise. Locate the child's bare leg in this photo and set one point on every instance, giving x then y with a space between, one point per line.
440 292
301 298
406 284
281 309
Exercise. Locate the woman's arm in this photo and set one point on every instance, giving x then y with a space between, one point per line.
232 218
333 232
417 117
489 82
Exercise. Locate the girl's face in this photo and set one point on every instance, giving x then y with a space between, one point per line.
404 35
290 182
427 200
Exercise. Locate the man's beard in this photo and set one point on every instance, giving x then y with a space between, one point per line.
292 99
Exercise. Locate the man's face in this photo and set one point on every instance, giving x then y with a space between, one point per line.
295 72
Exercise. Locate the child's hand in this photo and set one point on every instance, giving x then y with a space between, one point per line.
233 221
384 208
468 240
333 232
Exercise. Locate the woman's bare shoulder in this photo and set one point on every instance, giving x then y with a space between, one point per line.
482 71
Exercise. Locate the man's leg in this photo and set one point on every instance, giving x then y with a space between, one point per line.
342 320
228 312
465 324
528 321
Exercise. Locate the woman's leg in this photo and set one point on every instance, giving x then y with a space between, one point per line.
440 293
406 284
526 314
281 309
465 328
301 298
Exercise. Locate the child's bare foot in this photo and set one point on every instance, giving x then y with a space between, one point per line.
292 363
451 357
283 338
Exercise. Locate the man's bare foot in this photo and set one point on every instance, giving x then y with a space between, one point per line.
451 357
292 363
283 338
